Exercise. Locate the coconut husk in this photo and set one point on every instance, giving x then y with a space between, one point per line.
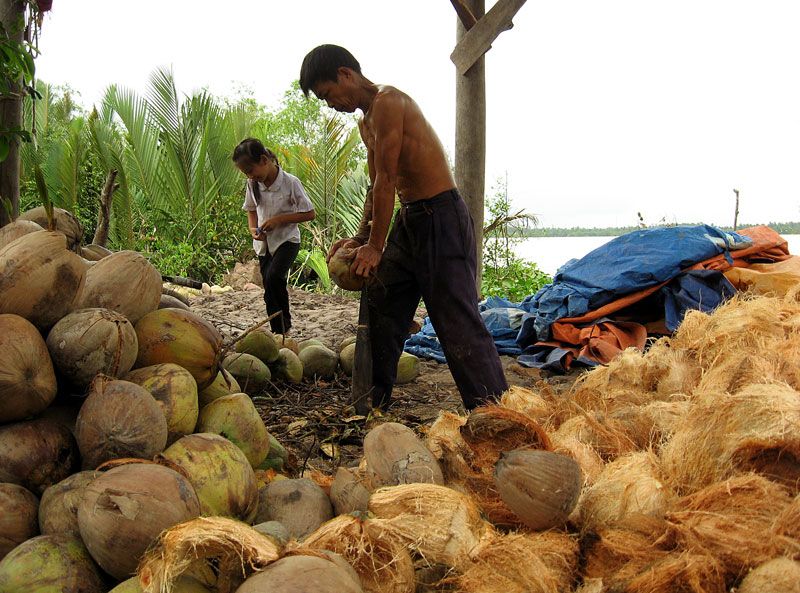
443 439
787 525
438 523
521 563
756 429
680 572
380 559
324 481
234 549
779 575
731 521
629 485
608 437
590 462
526 402
613 554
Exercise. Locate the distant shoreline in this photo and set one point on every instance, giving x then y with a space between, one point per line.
787 228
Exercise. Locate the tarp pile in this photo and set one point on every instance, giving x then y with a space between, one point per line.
637 285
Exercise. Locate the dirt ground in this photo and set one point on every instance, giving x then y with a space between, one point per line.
315 420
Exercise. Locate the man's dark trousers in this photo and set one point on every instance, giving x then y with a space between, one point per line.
430 253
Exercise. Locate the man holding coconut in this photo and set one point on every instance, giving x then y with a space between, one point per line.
429 252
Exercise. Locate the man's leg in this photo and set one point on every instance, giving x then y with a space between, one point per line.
275 292
451 298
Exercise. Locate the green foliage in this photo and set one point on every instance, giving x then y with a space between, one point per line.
504 273
16 76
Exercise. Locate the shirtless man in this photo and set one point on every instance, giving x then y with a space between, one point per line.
430 251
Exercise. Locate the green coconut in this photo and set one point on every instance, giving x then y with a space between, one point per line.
295 574
347 358
260 343
339 268
277 457
175 390
183 338
27 379
36 454
16 229
65 222
346 342
50 564
91 341
119 419
40 279
223 384
286 342
18 516
407 368
300 505
181 585
309 342
319 361
94 252
219 472
288 366
124 510
250 372
235 417
58 509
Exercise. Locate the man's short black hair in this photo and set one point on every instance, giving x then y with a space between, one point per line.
322 63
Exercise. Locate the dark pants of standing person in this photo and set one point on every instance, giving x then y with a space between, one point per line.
274 272
430 253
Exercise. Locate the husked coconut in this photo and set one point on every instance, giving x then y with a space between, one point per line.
65 222
407 368
395 456
91 341
250 372
540 487
94 252
139 500
779 575
288 366
275 530
175 390
339 268
18 514
36 454
58 563
301 573
180 337
16 229
299 504
182 585
119 419
27 378
223 384
319 361
260 343
124 282
218 470
235 417
40 279
58 509
167 301
348 493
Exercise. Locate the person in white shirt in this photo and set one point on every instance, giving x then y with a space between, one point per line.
275 202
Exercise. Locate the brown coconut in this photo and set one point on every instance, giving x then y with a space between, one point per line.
138 500
540 487
183 338
299 504
175 390
339 268
124 282
234 549
395 456
755 429
629 485
58 509
779 575
40 279
348 492
167 301
302 573
381 560
235 417
27 378
16 229
65 222
440 524
94 252
219 472
36 454
119 419
521 563
181 585
18 516
50 563
223 384
91 341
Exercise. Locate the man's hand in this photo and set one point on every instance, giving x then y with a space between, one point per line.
366 261
346 243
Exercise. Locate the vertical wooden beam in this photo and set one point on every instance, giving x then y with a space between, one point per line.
471 134
12 17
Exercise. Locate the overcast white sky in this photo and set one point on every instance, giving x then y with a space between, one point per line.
597 109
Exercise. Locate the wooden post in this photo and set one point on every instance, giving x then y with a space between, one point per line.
471 134
104 212
736 212
11 15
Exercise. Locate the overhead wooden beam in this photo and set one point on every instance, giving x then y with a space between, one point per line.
479 38
464 14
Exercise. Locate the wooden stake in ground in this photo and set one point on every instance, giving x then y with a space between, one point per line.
362 361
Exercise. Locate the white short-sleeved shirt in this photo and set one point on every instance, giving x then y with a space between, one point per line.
285 196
